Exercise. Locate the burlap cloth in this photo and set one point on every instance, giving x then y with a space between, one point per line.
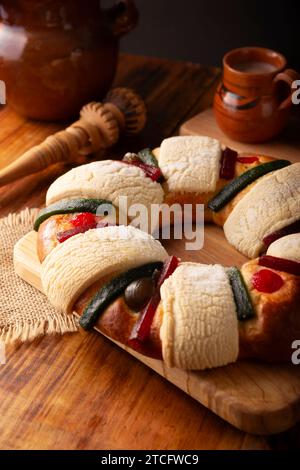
25 313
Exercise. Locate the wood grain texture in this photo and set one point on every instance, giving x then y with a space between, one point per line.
82 392
256 398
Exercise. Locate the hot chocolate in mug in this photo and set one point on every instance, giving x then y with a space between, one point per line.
254 100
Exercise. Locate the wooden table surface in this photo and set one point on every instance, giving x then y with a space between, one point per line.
48 386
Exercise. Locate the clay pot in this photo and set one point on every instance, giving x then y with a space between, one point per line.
57 55
254 100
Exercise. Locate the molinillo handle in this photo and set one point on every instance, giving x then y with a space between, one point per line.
98 128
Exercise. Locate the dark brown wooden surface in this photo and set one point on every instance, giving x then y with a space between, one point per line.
82 392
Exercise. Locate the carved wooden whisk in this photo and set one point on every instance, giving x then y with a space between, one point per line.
98 128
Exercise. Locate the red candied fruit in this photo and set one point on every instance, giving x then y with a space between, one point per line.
81 223
266 281
84 219
228 162
251 159
280 264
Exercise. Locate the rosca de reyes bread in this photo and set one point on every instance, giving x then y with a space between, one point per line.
191 315
122 281
252 196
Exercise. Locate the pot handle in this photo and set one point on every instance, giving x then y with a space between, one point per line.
122 17
288 76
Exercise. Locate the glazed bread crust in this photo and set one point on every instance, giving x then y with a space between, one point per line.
270 334
266 337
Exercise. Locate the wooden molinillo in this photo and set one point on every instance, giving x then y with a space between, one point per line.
98 128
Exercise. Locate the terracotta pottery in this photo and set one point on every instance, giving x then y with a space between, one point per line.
57 55
253 102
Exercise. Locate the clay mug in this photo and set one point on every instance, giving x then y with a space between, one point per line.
254 100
